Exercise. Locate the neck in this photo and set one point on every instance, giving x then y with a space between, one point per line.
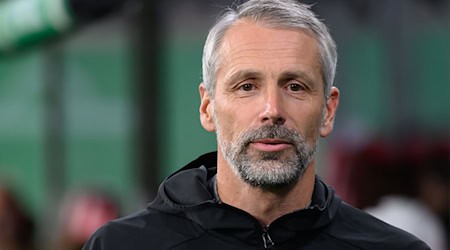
266 205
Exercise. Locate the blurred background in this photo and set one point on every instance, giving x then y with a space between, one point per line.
99 103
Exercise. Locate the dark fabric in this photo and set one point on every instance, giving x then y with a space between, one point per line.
186 214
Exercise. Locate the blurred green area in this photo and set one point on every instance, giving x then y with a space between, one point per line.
21 127
183 138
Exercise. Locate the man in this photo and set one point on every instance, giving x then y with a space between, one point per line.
268 69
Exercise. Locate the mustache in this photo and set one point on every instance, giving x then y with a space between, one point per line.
271 132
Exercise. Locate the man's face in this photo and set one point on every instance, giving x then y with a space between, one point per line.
269 106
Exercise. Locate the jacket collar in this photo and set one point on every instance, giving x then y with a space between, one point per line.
186 193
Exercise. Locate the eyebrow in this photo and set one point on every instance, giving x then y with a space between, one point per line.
243 74
299 74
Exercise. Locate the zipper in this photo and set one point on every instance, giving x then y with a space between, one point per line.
268 243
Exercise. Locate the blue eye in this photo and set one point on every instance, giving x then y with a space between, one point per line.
247 87
295 87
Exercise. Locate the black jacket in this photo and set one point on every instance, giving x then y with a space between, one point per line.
186 215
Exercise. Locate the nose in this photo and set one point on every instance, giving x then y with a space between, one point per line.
273 113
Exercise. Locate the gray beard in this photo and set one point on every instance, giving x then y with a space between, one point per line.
268 170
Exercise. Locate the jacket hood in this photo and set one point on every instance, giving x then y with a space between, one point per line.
188 193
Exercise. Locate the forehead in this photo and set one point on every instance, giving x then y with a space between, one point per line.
247 44
246 29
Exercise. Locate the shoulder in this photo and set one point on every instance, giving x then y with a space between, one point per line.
143 229
360 229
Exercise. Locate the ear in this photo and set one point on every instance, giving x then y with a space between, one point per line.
331 105
206 112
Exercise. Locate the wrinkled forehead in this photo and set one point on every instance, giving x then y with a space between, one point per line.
245 37
250 45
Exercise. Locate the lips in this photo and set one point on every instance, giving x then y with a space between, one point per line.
271 144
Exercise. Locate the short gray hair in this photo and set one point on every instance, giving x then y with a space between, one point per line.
284 14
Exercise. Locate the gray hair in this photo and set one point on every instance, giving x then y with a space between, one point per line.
285 14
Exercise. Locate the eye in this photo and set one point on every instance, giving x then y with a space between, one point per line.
295 87
247 87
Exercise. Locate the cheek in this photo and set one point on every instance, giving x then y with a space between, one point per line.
225 122
234 118
311 123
